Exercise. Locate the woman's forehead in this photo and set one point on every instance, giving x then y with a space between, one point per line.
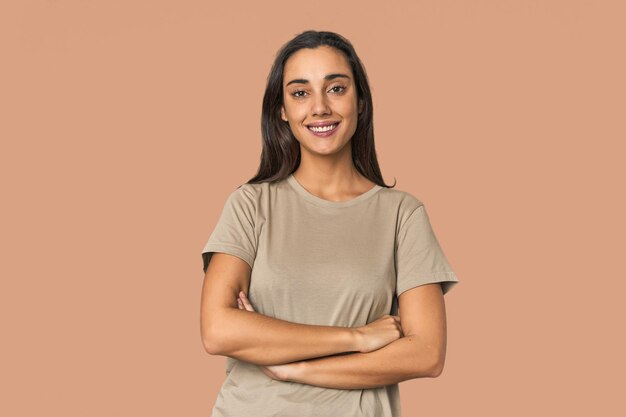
318 64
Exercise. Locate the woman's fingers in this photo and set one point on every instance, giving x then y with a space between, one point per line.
245 301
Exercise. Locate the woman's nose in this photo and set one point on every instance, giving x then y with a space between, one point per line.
320 105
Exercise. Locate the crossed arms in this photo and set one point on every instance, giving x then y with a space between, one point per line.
324 356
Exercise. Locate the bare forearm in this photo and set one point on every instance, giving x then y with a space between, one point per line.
398 361
264 340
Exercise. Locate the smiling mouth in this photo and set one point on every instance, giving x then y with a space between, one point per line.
323 129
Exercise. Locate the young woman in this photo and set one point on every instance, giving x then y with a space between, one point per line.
323 286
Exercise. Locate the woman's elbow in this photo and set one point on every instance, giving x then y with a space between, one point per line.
210 338
431 367
210 346
437 365
436 370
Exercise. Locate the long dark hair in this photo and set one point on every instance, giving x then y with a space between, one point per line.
281 150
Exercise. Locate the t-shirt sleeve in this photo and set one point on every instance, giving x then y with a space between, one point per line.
234 232
419 257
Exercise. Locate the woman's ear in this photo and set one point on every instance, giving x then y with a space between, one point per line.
361 106
282 113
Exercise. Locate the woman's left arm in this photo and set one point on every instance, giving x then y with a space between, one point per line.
420 353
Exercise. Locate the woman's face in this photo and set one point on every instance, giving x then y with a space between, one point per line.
318 86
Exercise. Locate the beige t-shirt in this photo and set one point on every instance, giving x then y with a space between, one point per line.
322 262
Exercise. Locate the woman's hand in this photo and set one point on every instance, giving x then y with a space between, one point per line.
379 333
243 302
284 372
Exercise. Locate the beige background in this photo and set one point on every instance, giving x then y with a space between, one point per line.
125 124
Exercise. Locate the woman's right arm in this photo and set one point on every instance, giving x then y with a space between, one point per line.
255 338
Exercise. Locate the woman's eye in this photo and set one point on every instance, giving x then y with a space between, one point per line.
339 86
298 95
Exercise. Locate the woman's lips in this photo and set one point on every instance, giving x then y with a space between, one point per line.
327 133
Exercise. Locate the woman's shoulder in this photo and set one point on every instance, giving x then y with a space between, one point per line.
248 189
404 201
251 193
254 189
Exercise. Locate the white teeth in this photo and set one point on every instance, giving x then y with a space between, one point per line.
323 129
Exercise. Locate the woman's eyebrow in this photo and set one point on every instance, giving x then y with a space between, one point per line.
327 78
